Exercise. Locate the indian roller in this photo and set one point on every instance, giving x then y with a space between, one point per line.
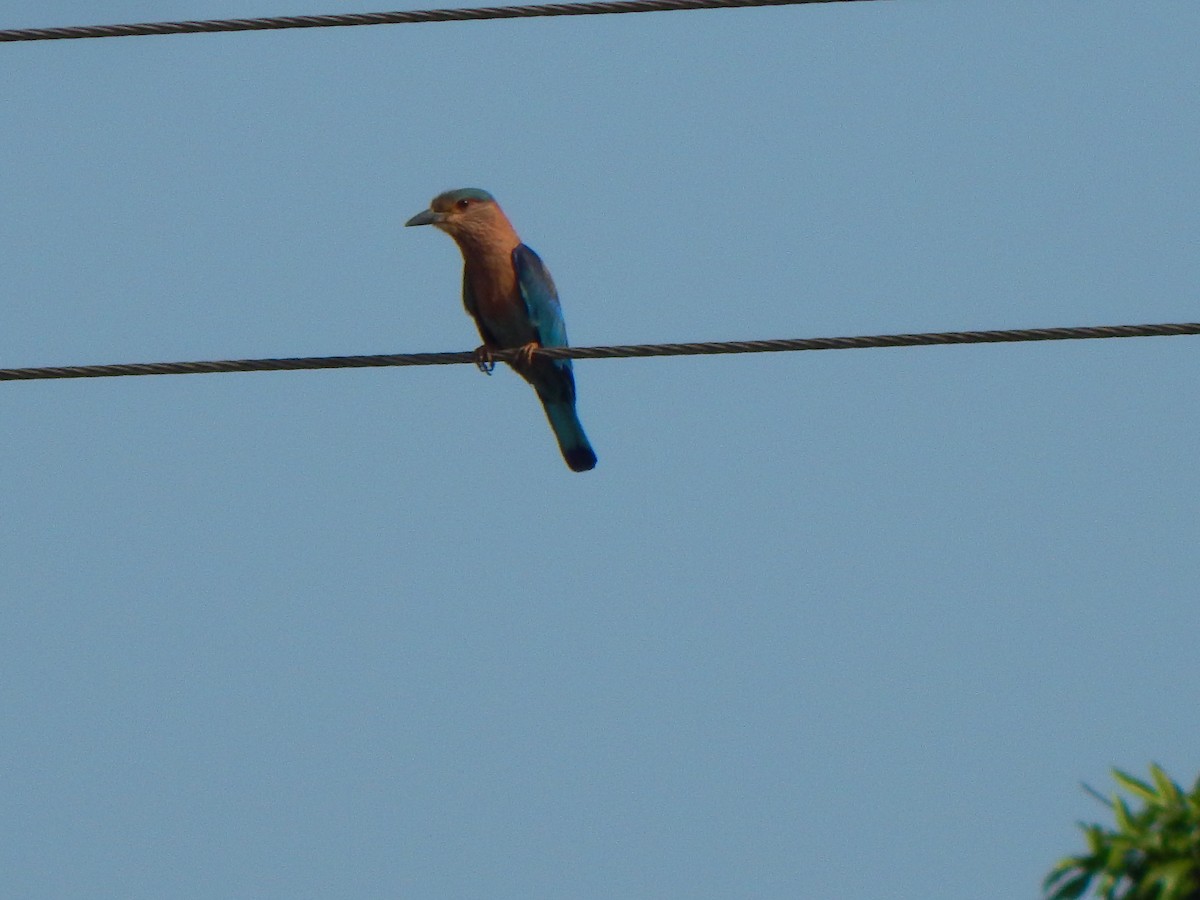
509 293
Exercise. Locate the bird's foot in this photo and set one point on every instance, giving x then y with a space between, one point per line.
525 354
483 359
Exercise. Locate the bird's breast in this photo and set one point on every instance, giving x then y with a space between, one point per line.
498 302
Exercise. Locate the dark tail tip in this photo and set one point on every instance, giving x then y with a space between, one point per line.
580 459
571 440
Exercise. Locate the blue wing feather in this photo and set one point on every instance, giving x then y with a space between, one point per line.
541 298
552 379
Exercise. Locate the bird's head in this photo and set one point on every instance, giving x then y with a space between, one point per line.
461 213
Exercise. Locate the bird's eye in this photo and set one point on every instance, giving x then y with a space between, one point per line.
463 204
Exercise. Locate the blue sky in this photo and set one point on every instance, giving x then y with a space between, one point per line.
847 624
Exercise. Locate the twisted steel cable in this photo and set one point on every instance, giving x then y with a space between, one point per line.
1077 333
410 17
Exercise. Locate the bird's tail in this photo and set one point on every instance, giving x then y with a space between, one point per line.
571 440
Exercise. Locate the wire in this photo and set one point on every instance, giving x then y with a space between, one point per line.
410 17
1078 333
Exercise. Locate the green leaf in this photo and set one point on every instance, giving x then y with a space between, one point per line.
1192 805
1060 869
1117 859
1099 796
1167 789
1172 879
1072 888
1106 887
1135 786
1123 816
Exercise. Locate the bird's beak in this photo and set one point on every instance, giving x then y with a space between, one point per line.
426 217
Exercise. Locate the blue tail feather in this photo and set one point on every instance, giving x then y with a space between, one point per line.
571 440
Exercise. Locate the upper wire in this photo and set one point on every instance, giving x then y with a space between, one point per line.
408 17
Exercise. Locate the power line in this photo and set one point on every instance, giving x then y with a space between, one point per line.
410 17
1078 333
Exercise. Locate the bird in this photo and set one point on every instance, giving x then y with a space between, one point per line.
508 291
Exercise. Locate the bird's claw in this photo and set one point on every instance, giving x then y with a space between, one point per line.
525 353
484 361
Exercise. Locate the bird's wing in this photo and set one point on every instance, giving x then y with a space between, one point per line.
541 298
